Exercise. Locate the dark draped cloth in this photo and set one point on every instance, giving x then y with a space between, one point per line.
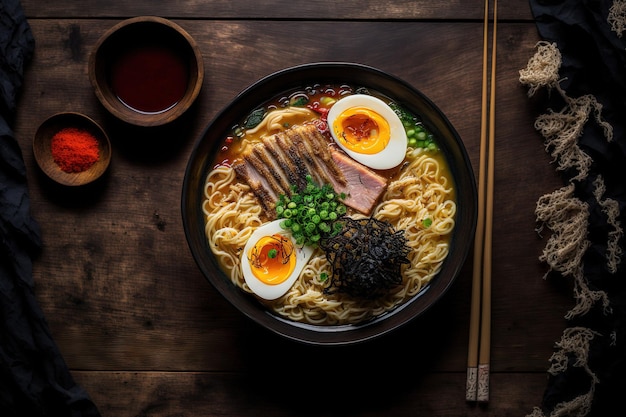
593 63
34 379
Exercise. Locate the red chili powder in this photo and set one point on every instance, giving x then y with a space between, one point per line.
74 149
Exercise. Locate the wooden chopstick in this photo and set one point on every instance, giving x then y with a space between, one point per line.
477 384
485 326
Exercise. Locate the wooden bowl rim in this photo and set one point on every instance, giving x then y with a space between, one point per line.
43 157
122 112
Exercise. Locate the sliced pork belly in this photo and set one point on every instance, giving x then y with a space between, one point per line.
269 177
363 186
286 164
273 165
259 186
309 143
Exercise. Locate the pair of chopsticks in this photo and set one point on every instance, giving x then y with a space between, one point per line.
477 386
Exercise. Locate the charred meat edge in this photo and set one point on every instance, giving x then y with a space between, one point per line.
269 167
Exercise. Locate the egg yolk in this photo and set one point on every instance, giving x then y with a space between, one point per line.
272 259
362 130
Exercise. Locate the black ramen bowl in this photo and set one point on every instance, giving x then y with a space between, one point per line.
200 163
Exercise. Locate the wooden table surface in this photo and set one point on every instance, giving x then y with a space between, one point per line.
140 327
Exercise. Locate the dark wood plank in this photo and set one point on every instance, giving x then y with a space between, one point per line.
310 390
277 9
116 278
140 327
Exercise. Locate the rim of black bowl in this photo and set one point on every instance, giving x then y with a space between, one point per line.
288 79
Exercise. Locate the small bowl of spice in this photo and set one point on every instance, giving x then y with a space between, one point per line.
72 149
146 71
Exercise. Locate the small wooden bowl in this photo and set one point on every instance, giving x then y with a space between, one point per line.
43 150
137 36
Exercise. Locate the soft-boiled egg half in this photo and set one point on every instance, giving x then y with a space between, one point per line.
271 262
368 130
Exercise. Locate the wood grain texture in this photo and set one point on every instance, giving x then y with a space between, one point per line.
362 393
341 393
276 9
139 325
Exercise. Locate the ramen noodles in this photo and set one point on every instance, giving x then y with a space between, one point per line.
415 198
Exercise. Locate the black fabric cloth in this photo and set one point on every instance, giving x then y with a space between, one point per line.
34 378
594 62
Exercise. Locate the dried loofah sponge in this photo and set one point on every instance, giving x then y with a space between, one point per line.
542 69
617 17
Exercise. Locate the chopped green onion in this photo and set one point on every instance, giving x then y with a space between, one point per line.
311 214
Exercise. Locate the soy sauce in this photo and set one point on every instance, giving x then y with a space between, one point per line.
149 78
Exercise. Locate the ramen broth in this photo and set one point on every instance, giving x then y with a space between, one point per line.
420 200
